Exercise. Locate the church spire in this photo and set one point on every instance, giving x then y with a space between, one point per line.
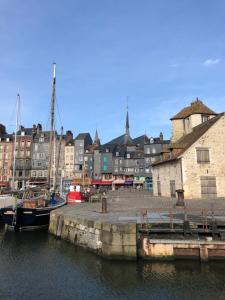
127 137
127 123
97 140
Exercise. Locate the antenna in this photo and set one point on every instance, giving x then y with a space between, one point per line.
127 102
15 138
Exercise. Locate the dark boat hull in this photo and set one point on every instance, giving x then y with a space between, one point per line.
28 218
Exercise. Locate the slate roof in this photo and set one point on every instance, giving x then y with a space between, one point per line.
82 136
178 148
143 139
196 107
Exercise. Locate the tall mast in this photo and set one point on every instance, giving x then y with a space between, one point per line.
15 139
52 123
57 158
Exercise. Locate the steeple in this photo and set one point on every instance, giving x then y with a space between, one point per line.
127 137
127 124
97 140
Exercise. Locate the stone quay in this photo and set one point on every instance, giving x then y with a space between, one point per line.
137 225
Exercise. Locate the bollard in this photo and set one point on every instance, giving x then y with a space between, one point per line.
104 204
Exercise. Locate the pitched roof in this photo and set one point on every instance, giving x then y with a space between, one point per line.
196 107
143 139
178 148
82 136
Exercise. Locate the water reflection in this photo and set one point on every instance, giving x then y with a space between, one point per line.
34 265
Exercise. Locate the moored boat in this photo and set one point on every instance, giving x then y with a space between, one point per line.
32 213
74 196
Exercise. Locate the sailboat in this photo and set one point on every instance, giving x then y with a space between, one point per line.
33 212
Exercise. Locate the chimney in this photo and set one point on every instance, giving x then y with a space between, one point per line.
39 128
69 135
161 137
34 129
2 129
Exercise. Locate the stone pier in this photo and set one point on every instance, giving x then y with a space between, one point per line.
127 230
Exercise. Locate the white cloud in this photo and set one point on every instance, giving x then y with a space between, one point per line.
211 62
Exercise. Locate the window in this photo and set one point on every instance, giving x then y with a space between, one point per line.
205 118
104 168
116 161
105 159
80 158
80 151
22 144
28 143
34 173
117 153
41 139
202 155
172 189
208 186
20 173
128 155
148 151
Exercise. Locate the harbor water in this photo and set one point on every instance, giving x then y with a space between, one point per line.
34 265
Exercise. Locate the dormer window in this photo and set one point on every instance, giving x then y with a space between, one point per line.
7 139
117 153
107 150
22 133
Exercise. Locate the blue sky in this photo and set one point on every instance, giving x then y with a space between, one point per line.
161 54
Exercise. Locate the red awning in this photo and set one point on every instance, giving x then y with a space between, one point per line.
101 182
4 183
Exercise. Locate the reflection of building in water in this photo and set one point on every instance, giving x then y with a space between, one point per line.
155 269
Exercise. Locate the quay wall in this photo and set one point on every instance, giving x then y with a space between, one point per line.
167 249
114 241
126 241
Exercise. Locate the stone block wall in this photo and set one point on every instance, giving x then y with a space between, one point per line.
106 239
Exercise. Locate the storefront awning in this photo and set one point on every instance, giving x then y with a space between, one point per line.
4 183
139 181
101 182
118 181
128 182
81 181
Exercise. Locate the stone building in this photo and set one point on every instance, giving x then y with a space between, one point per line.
24 142
40 155
6 158
81 144
194 161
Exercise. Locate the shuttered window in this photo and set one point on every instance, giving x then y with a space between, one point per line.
202 155
208 186
172 189
159 188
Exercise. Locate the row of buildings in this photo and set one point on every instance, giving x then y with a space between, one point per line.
192 161
122 162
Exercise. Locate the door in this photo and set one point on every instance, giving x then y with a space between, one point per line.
159 188
208 187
